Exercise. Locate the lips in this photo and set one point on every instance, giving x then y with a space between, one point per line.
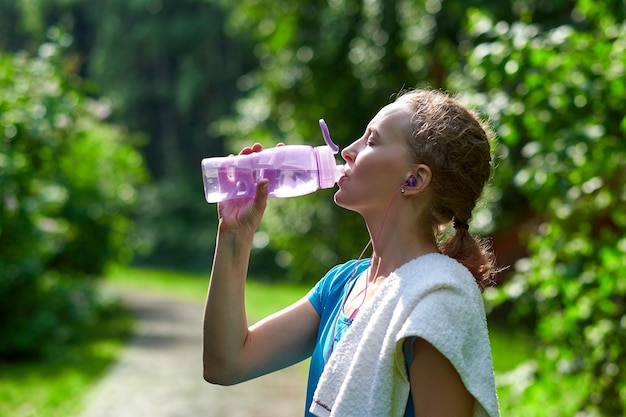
344 177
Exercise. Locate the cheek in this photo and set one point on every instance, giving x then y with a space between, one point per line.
377 183
380 171
386 174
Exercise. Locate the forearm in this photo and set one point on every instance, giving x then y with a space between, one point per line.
225 327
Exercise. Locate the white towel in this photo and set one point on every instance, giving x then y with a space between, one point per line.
433 297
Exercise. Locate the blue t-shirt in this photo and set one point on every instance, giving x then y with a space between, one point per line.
327 298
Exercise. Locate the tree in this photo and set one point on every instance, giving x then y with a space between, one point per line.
556 96
67 190
168 69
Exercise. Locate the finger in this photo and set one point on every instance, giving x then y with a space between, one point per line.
257 147
260 198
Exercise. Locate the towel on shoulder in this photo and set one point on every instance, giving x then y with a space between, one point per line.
432 297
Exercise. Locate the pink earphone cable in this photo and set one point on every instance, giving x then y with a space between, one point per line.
350 281
374 243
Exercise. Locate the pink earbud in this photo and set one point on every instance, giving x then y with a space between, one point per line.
410 182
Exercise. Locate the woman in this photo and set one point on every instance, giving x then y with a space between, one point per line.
402 333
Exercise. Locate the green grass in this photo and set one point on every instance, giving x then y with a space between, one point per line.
262 298
57 387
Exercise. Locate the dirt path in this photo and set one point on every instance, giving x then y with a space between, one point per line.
159 374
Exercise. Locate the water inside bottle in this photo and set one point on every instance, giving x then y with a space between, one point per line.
232 182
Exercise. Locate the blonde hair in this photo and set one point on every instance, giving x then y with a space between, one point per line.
453 141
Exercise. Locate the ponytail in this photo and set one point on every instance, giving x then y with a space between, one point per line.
475 254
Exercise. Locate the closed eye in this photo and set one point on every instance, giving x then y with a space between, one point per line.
374 139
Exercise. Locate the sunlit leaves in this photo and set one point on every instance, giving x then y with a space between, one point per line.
56 153
560 108
67 190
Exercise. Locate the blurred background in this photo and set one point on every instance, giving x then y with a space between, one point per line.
107 108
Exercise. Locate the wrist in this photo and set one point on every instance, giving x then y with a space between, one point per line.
237 234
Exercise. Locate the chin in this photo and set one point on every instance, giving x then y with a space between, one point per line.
337 199
340 200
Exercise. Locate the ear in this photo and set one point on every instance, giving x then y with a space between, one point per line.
422 174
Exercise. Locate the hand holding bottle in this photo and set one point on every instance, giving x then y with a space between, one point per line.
245 214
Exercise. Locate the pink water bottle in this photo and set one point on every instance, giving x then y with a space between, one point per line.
292 170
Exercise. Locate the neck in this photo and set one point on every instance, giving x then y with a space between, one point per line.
386 262
397 235
397 244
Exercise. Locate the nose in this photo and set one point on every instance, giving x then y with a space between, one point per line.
349 153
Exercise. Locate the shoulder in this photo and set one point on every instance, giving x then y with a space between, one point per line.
436 272
444 307
439 295
339 275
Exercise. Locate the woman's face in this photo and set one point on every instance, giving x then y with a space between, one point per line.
377 164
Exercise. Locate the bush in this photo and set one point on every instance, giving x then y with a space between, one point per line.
557 97
67 189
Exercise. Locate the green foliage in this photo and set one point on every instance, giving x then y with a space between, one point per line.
67 189
557 98
168 69
341 61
